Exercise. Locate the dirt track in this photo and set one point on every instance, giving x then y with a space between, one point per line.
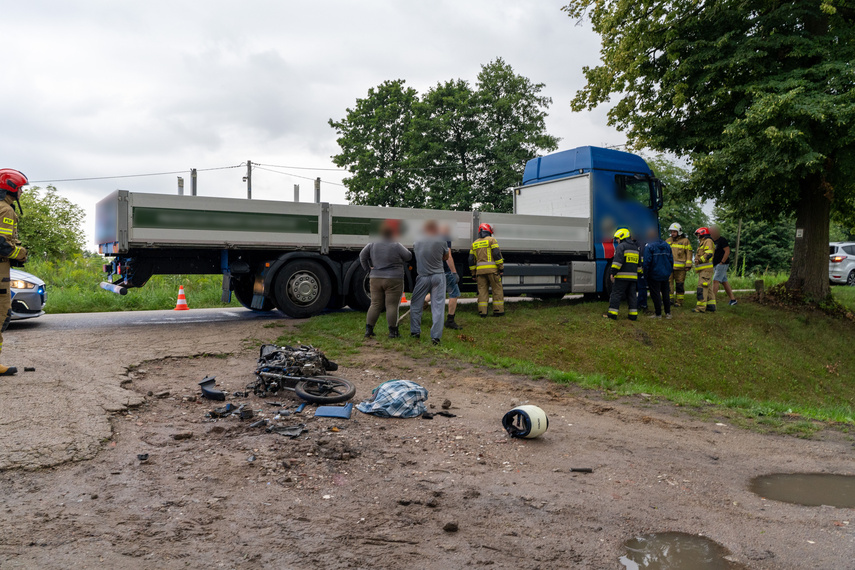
377 493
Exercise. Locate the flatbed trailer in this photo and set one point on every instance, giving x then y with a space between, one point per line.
302 258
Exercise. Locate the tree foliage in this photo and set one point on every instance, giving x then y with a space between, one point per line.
680 205
455 147
51 225
764 245
758 93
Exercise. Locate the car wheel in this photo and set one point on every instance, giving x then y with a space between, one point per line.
302 289
850 280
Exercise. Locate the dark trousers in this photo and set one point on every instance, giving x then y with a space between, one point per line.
624 289
660 293
642 292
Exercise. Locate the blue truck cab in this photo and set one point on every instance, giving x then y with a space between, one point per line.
614 189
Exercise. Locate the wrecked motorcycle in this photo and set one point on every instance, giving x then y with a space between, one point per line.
302 370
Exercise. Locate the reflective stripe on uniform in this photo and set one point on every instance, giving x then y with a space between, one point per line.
613 311
6 231
700 268
480 244
633 311
627 276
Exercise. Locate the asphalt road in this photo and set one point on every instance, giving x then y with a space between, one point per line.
80 321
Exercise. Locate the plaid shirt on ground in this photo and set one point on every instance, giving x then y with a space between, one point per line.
396 399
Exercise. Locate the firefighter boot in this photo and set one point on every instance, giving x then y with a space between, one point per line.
393 332
450 324
369 331
8 370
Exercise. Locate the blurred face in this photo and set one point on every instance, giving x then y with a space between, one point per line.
431 228
674 234
715 233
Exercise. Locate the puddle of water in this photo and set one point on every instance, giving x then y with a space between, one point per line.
809 489
675 551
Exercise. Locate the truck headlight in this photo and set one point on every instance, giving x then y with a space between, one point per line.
21 284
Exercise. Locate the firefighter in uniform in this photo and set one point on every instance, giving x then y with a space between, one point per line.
704 268
626 267
681 248
487 266
11 182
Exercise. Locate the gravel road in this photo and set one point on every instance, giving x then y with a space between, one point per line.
369 493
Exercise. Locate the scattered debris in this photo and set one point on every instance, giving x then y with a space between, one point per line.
245 413
526 422
29 368
581 470
289 431
208 391
300 408
343 412
143 456
240 394
250 459
182 435
259 423
451 526
162 395
446 405
226 410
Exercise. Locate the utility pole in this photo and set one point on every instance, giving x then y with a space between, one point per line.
180 186
738 236
296 192
248 179
318 190
192 181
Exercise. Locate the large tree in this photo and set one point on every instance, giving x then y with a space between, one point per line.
375 147
758 93
51 225
456 147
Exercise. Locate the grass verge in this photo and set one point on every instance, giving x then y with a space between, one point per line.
769 365
73 287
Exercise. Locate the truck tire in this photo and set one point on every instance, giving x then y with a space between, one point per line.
302 289
607 282
243 293
359 297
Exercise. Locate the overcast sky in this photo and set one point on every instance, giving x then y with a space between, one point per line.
101 88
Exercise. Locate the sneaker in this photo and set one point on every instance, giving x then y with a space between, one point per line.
415 335
733 302
667 315
654 316
435 341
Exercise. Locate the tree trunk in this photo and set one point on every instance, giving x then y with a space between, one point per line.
809 269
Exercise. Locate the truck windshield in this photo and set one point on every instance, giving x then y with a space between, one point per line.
632 188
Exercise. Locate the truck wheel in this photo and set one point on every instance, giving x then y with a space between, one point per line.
302 289
359 297
607 282
243 294
550 296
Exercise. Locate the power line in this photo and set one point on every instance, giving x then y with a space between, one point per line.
301 167
132 175
298 176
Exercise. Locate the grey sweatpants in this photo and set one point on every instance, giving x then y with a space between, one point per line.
435 285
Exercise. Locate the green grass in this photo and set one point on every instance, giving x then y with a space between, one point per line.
768 364
73 287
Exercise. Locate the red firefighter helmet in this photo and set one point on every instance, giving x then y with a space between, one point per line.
701 232
486 228
11 180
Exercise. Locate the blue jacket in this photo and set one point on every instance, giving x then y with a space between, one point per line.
658 260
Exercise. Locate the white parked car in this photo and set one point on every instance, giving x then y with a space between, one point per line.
28 295
841 262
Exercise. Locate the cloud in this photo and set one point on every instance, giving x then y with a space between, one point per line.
98 87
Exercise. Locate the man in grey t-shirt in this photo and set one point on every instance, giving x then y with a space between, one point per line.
430 252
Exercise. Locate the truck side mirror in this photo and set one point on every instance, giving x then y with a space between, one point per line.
658 199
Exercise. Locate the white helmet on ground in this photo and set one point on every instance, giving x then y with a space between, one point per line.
675 227
525 421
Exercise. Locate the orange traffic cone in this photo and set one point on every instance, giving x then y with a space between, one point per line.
182 300
403 298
